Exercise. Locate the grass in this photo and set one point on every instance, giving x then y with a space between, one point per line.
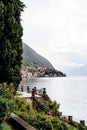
4 126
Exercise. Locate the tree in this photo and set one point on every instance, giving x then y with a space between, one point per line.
11 32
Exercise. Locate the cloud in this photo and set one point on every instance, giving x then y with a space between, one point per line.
57 29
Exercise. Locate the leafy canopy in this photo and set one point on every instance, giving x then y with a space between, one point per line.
11 32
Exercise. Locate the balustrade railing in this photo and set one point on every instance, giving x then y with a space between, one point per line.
41 92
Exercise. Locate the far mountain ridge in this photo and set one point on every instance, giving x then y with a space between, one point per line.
74 70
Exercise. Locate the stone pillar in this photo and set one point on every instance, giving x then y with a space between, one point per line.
33 93
44 91
35 90
70 119
22 88
82 122
60 113
28 89
33 99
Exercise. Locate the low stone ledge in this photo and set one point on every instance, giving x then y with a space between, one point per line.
20 122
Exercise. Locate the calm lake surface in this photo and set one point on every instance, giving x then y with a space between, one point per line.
71 93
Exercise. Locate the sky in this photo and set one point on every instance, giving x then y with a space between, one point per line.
57 29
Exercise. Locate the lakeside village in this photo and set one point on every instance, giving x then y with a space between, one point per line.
41 72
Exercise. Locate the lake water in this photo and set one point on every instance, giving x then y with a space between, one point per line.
71 93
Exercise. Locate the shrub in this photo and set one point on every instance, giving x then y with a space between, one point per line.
81 127
21 104
4 109
40 122
53 106
4 126
42 107
6 101
59 124
7 90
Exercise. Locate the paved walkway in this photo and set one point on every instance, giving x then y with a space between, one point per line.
26 95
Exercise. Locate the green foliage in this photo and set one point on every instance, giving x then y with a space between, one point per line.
59 124
4 126
38 119
21 104
42 107
4 109
6 101
44 122
7 90
1 18
53 106
81 127
50 106
10 41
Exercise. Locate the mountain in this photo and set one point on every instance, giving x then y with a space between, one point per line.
32 58
74 70
37 64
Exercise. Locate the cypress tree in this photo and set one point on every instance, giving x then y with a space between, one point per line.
11 32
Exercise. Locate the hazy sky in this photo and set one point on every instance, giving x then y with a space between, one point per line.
57 29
